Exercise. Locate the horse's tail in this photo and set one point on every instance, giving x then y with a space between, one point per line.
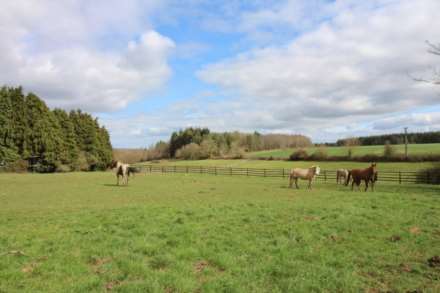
348 178
290 178
132 170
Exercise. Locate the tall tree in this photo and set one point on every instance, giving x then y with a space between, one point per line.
70 152
44 141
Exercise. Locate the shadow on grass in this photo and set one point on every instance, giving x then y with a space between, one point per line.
115 185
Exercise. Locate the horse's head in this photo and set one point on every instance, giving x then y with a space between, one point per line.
317 170
113 164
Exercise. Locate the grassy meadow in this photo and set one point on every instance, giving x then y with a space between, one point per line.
330 165
78 232
413 149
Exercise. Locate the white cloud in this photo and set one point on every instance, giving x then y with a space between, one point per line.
349 70
419 121
54 48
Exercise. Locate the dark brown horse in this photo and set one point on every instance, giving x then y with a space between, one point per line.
368 175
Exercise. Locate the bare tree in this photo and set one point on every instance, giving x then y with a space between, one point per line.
435 79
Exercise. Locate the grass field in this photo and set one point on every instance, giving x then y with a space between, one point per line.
77 232
386 166
413 149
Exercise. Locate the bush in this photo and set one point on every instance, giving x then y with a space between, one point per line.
319 154
299 155
429 176
209 148
389 150
17 166
81 164
63 168
190 151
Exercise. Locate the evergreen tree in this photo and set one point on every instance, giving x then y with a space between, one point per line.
19 122
70 153
8 151
44 140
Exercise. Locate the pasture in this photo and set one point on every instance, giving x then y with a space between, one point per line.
413 149
78 232
381 166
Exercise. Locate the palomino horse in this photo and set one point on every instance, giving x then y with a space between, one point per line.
368 175
341 175
122 170
305 174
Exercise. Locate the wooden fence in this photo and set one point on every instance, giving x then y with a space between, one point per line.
401 177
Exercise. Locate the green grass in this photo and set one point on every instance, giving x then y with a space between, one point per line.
77 232
382 166
413 149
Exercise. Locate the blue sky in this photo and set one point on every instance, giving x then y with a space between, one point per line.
326 69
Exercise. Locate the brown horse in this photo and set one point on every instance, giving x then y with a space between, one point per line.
305 174
368 175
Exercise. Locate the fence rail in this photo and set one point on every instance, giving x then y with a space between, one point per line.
401 177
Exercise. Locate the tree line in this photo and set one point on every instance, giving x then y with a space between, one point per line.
395 138
201 143
33 136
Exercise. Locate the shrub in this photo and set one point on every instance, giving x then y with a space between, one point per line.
190 151
299 155
63 168
320 154
81 163
430 176
17 166
389 150
209 148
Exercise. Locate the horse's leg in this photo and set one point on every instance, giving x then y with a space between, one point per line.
296 183
310 183
290 181
366 184
352 185
117 179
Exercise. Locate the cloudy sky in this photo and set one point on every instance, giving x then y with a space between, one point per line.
326 69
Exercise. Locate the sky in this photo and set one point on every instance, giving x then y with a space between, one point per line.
321 68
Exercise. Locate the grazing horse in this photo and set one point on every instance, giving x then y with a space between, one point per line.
341 175
122 170
368 175
305 174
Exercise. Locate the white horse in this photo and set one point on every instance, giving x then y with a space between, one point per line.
305 174
341 176
122 170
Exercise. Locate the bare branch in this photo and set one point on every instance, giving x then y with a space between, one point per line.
434 49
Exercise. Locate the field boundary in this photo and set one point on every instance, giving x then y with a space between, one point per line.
401 177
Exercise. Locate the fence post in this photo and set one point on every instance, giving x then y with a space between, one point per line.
215 169
162 169
247 171
428 177
325 175
230 171
264 170
283 172
200 169
400 177
150 169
